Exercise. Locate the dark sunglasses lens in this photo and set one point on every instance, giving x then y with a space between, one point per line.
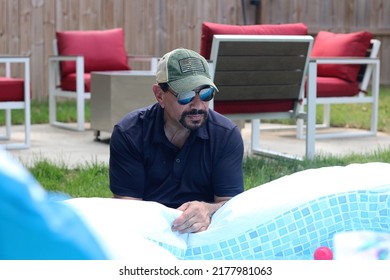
206 94
185 98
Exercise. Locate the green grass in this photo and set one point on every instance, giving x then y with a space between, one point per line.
92 179
260 170
89 180
66 112
358 115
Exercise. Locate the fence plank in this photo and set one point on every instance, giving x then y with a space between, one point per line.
3 32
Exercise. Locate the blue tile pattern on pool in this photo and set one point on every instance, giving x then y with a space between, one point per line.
297 233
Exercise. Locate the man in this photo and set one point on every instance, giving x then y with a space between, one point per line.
177 151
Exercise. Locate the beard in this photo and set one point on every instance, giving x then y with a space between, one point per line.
193 124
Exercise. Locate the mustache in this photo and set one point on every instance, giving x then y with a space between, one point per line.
194 112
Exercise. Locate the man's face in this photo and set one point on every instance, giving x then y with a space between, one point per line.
192 115
194 118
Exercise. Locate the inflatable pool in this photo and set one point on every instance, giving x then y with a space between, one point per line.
288 218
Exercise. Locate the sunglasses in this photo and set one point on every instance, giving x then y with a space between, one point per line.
205 94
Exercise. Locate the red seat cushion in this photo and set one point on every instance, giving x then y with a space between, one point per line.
253 106
328 44
103 50
209 29
11 89
334 87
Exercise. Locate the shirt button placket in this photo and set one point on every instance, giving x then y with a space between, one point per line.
177 169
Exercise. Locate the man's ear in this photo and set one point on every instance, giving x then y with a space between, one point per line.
158 93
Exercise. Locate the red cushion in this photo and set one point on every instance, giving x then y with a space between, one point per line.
69 82
103 50
11 89
328 44
209 29
253 106
333 87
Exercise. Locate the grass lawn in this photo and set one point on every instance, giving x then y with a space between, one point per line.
358 115
92 180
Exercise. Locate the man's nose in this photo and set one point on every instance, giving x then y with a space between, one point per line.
196 100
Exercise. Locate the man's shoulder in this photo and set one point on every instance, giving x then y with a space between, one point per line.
136 126
137 117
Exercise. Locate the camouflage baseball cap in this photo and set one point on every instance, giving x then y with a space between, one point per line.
183 70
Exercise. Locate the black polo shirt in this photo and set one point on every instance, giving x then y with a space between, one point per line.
144 164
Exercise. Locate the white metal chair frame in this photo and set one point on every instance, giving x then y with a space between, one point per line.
80 95
371 75
10 105
309 115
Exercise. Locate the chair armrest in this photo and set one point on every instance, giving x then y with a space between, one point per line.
58 58
25 60
14 59
9 59
54 68
371 72
344 60
140 57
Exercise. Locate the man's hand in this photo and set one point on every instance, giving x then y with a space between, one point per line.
196 216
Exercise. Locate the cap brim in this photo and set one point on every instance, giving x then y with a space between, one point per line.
190 83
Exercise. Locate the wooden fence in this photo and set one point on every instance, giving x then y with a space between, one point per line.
153 27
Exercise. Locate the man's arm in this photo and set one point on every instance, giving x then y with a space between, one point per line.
126 171
197 215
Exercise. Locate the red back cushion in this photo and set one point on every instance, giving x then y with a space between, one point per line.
103 50
328 44
209 29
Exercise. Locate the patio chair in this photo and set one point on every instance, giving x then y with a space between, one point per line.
15 94
76 55
346 65
263 77
209 29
